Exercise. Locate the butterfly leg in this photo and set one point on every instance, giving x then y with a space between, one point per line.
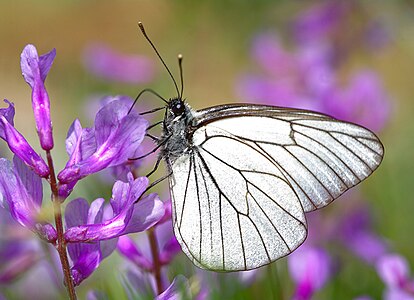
155 166
155 183
153 150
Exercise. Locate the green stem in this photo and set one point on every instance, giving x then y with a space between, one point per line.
61 243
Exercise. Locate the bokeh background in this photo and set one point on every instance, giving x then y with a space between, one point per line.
274 52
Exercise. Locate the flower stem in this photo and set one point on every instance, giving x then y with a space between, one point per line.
61 244
156 260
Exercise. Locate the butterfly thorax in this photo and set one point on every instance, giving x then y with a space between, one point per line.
175 138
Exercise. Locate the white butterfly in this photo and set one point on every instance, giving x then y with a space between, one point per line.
242 176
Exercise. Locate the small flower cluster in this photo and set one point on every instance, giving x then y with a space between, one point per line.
91 231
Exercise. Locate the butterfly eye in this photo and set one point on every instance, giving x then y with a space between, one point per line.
177 107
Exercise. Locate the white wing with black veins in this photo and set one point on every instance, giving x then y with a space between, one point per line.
240 195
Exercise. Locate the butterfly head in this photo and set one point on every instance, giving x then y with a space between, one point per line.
176 106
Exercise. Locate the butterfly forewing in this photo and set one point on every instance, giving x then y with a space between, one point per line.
241 191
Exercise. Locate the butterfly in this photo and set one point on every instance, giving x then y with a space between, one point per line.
242 176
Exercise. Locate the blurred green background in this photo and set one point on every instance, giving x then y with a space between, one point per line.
215 38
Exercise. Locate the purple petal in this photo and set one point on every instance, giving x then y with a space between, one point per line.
95 212
34 70
96 295
169 251
46 232
80 143
20 147
104 62
179 289
16 198
108 246
310 269
31 182
397 294
138 284
167 212
76 212
118 135
64 189
393 270
74 134
87 262
123 193
128 249
147 212
7 113
17 265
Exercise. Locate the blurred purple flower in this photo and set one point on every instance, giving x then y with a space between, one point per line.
35 70
18 250
18 144
310 269
357 235
307 78
112 141
179 289
319 21
96 295
395 273
92 231
21 193
141 255
363 101
104 62
139 284
130 250
377 35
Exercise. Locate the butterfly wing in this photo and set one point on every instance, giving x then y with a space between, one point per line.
241 192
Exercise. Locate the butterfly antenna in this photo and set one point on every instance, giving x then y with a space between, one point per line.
180 65
141 26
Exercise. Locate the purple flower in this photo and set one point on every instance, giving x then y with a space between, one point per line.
19 252
119 172
18 144
357 235
92 231
138 284
131 251
21 193
394 271
310 269
114 139
363 101
35 70
319 21
306 78
104 62
126 217
179 289
140 253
